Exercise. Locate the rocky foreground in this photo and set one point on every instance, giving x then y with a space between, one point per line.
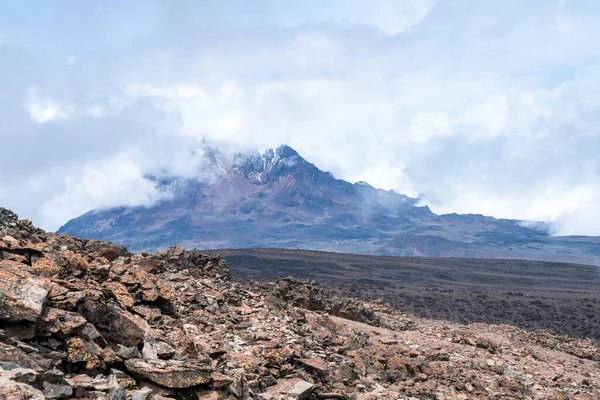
88 319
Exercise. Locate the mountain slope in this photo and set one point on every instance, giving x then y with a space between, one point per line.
278 199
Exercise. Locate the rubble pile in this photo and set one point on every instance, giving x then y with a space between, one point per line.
87 319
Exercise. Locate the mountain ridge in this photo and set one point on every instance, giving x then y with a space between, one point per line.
278 199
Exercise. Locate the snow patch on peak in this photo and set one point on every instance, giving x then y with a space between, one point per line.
363 183
258 168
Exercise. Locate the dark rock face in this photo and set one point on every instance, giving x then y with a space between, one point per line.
278 199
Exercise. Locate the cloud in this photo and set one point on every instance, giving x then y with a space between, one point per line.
486 107
112 183
389 176
44 110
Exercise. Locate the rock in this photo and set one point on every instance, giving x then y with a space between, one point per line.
294 388
82 352
18 374
220 381
207 395
156 390
13 355
120 379
90 333
127 353
215 294
120 292
268 380
97 247
121 326
396 363
55 321
164 350
141 394
57 391
150 287
170 374
10 390
148 313
117 394
10 241
245 309
314 364
148 351
345 373
87 382
110 254
22 298
583 396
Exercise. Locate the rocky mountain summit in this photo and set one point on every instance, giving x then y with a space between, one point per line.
88 319
278 199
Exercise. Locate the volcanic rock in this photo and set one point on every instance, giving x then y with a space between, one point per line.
60 322
22 297
170 374
181 327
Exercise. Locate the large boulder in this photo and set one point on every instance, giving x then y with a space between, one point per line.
120 326
22 297
170 374
108 250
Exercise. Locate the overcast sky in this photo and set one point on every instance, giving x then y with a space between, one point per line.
488 107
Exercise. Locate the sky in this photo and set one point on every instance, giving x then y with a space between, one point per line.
487 107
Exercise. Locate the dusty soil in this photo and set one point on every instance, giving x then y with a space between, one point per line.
559 297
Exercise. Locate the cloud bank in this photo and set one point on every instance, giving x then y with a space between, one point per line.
486 107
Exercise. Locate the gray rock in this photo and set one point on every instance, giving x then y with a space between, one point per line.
141 394
90 333
128 352
17 373
164 350
57 390
301 389
13 355
117 394
294 388
54 384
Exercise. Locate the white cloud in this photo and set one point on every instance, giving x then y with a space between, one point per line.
43 110
486 107
115 182
389 177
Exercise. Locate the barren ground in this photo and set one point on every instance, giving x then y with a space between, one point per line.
559 297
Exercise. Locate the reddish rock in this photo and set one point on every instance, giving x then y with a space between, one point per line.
22 297
110 254
60 322
120 292
86 353
314 364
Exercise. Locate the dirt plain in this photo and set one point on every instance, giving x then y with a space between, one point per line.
533 295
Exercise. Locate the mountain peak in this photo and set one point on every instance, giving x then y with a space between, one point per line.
286 151
252 165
